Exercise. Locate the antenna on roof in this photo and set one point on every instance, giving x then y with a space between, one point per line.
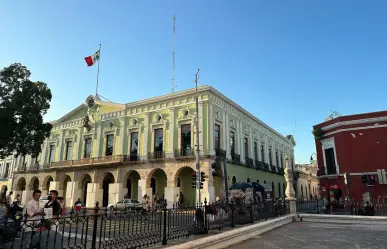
173 54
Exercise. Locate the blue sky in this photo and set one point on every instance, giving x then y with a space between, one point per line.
287 62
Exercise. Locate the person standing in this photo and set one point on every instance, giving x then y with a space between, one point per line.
33 215
78 205
8 201
50 230
53 204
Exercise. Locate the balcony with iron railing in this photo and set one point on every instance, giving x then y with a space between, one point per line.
89 161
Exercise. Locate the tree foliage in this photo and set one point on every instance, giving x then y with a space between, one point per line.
22 105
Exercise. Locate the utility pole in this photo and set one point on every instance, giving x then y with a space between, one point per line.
197 136
224 157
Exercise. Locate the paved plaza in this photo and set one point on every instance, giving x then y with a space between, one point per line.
303 235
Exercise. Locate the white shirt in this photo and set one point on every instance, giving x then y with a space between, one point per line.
31 207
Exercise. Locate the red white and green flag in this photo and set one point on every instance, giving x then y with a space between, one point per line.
92 59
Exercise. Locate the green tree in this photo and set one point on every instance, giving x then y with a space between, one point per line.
22 105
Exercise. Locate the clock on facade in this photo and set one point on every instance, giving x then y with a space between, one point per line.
90 101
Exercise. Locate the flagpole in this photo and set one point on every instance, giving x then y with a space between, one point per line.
96 88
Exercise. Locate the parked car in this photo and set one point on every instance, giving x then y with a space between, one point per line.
126 204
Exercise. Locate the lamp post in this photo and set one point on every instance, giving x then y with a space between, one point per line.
311 157
309 183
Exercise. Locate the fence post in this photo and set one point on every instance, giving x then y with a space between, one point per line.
232 213
252 211
318 209
205 215
165 210
93 242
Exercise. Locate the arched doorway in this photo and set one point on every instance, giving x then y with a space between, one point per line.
65 182
158 182
4 189
184 182
21 184
108 179
132 185
84 183
219 183
34 183
46 185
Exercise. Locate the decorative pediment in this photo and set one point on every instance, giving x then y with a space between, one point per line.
133 124
110 128
218 116
76 113
185 115
232 123
270 141
246 129
158 119
70 135
53 138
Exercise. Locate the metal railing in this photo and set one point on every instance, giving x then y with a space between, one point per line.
134 228
345 207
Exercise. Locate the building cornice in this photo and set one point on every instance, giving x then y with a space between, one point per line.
354 122
166 97
248 114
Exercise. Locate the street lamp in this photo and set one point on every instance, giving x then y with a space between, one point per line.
311 157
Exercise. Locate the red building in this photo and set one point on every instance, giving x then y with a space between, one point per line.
355 144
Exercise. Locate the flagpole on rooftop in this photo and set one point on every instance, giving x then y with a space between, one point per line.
99 55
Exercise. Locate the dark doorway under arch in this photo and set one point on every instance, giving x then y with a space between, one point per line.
108 179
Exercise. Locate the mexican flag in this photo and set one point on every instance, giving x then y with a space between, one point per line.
92 59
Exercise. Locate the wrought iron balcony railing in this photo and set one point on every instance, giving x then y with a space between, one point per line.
184 153
156 155
89 161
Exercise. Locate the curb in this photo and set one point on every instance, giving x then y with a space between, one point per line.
235 236
343 219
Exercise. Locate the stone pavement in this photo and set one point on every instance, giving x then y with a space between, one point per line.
303 235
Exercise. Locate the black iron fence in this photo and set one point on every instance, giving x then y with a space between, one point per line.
344 207
130 229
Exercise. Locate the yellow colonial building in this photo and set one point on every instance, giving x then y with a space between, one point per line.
103 151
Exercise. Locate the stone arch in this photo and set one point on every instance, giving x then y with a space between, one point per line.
63 186
178 172
157 181
21 184
184 177
46 182
106 181
109 175
218 182
130 182
34 183
4 189
66 178
84 180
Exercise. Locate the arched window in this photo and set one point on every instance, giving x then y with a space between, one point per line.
233 180
248 179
